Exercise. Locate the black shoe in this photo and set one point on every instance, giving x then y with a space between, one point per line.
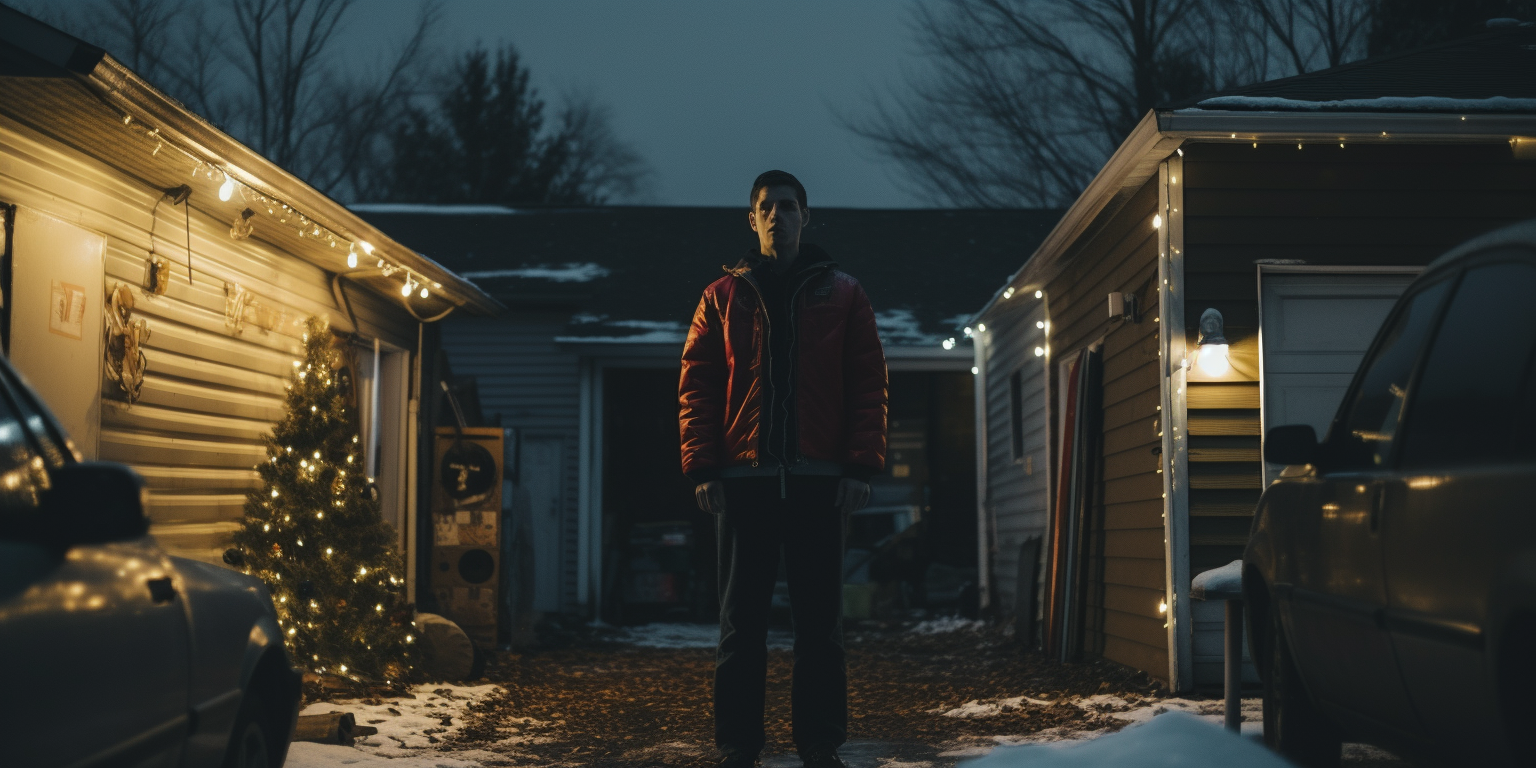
737 761
828 759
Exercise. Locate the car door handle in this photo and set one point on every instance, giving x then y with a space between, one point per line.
161 590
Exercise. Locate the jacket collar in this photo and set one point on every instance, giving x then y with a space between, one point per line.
812 257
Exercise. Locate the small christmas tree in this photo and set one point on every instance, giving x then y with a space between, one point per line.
314 534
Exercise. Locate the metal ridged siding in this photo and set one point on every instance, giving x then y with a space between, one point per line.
209 394
1017 489
523 375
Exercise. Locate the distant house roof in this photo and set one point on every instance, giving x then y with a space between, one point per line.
634 274
1490 72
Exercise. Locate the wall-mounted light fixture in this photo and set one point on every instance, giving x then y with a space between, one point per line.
1122 306
1213 359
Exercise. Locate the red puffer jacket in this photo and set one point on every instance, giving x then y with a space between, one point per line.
839 385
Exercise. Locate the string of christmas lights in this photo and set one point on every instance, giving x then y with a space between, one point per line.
282 213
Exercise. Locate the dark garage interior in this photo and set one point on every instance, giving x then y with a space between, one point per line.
913 548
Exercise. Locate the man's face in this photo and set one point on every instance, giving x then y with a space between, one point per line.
777 218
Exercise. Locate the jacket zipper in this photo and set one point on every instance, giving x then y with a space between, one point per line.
767 351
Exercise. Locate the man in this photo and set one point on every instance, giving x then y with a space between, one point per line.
783 419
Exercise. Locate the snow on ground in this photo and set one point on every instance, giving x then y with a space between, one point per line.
410 730
1132 710
1173 739
945 624
690 636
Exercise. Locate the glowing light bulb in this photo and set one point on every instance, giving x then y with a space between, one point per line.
227 189
1039 294
405 290
1157 221
352 260
1039 351
423 292
1162 606
1214 360
367 248
975 370
1039 323
981 328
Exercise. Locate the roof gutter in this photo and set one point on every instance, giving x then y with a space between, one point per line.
1128 168
121 88
1421 127
1161 132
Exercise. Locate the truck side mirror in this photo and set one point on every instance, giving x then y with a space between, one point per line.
1292 444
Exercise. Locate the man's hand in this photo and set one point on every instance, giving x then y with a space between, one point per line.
852 495
711 497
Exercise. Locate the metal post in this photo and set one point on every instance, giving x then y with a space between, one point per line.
1233 665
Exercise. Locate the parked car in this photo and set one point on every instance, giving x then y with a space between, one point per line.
113 652
1391 574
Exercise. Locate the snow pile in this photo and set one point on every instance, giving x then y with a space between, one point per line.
1394 103
1174 739
945 624
1228 578
410 728
691 636
558 273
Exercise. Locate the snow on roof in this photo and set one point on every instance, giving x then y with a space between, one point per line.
1383 103
594 329
1171 739
434 209
901 326
559 273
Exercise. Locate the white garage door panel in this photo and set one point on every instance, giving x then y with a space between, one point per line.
1314 329
1325 331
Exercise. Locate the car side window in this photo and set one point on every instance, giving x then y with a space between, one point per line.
49 437
1361 437
1466 400
23 477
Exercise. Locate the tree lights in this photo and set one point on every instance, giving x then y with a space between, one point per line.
338 600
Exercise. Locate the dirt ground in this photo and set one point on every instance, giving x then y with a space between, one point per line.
589 700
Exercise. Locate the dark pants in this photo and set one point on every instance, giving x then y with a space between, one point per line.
808 530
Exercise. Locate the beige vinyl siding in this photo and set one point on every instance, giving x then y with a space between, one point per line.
1125 557
1017 492
209 394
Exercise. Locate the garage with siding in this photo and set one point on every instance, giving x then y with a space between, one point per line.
1297 209
90 161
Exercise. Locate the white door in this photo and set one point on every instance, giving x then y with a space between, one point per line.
544 478
56 320
1313 331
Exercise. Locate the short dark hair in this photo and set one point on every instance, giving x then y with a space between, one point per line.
777 179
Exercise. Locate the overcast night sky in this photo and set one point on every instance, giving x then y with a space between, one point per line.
711 92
